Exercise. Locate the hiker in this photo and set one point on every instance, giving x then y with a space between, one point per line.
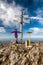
16 34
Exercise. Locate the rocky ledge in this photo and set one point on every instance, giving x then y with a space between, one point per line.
17 54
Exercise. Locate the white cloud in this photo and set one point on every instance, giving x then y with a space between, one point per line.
8 12
39 13
36 31
4 37
37 36
2 29
39 16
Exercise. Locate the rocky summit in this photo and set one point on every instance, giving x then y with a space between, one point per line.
18 54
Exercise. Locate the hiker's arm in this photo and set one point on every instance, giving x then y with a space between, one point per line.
13 32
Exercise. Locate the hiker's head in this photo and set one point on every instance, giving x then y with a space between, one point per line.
15 29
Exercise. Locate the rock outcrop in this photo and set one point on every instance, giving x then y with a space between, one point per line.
17 54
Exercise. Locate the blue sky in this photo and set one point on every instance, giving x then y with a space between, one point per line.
10 8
